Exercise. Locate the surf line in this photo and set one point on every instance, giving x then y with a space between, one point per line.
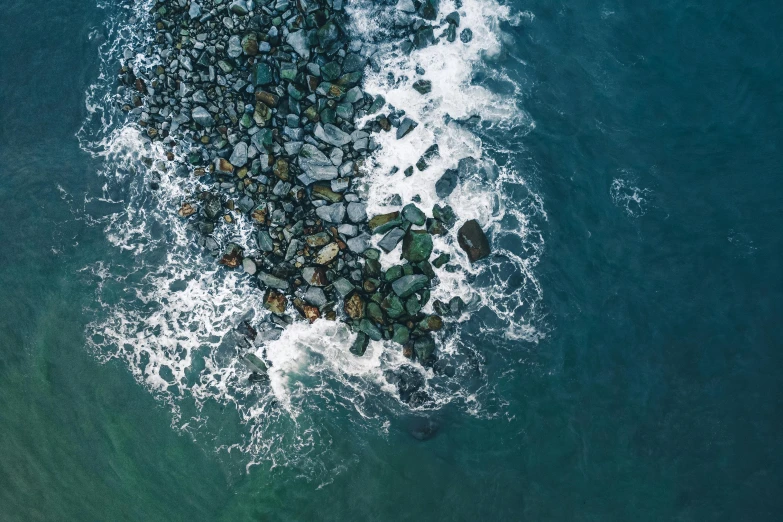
261 104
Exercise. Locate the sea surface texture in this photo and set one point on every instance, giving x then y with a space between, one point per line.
619 356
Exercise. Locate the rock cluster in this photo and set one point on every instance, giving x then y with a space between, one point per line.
263 99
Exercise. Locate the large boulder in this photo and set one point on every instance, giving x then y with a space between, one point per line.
473 240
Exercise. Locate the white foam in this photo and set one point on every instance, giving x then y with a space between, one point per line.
632 199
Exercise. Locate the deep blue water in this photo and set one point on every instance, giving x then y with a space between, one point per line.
655 393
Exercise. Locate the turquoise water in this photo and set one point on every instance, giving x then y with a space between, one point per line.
647 387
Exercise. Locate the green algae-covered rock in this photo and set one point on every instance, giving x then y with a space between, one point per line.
416 246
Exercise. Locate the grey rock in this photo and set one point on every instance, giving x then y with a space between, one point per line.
331 134
315 164
406 126
348 230
203 117
334 213
315 296
239 156
234 47
357 212
340 185
272 281
358 244
194 11
293 246
391 239
239 7
264 241
298 40
249 266
343 286
447 183
200 97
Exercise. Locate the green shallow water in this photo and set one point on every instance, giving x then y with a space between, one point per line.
655 394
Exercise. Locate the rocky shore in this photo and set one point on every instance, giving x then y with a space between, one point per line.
262 103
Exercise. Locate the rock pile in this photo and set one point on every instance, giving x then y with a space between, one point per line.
263 98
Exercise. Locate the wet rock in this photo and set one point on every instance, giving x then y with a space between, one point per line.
473 241
250 44
239 156
428 9
447 183
327 254
315 164
383 222
401 334
431 323
409 383
332 135
357 212
393 306
254 363
311 313
372 331
406 126
431 153
466 35
315 276
262 74
186 210
412 213
232 256
195 10
424 347
358 244
275 302
422 86
234 47
315 296
441 260
408 284
272 281
359 345
374 312
249 266
264 241
354 306
318 240
343 286
334 213
391 239
203 117
223 166
416 246
239 7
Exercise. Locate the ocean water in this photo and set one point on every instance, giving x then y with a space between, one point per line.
620 357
